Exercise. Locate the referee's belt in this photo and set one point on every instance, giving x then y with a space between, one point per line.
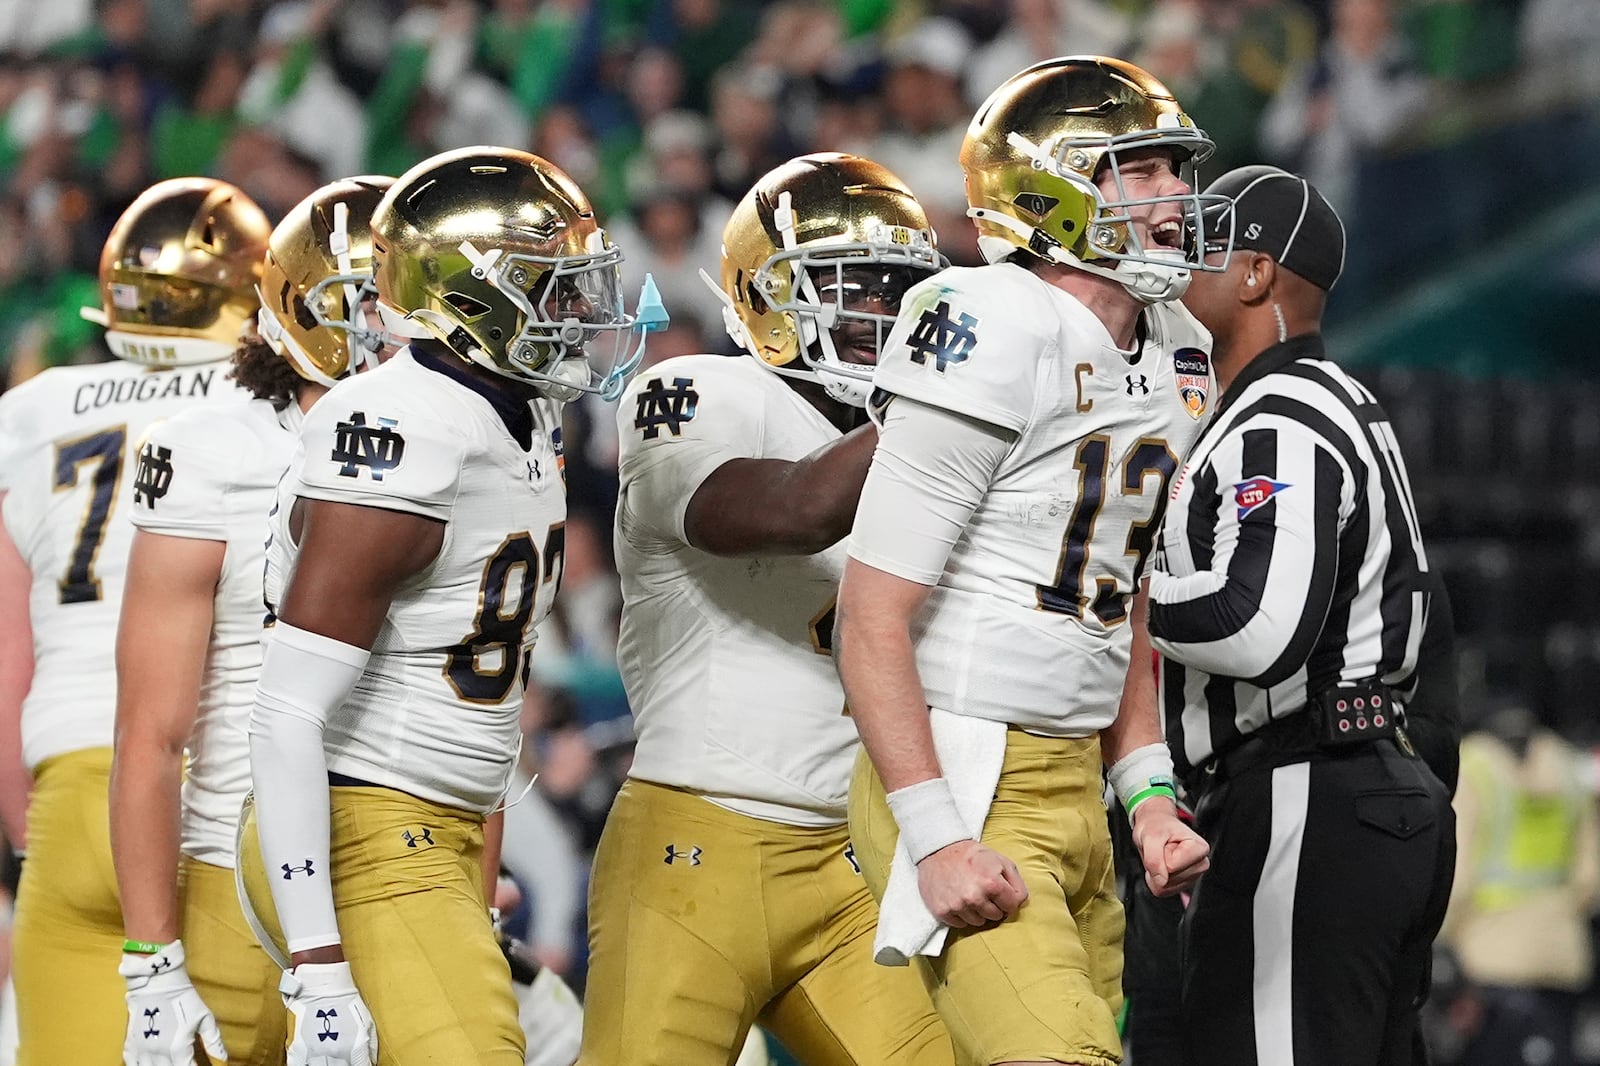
1314 730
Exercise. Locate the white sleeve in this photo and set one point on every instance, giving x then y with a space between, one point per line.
181 483
304 678
16 432
961 343
676 426
929 474
399 460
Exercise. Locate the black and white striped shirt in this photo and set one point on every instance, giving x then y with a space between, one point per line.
1291 557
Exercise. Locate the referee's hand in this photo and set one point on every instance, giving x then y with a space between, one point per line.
1174 855
969 884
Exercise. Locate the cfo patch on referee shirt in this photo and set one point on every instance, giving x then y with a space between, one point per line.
1252 494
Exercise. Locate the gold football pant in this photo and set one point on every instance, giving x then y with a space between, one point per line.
1045 984
230 971
409 896
67 939
703 922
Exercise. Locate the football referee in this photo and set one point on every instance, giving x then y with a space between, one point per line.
1288 603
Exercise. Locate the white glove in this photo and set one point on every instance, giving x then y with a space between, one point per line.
165 1013
332 1026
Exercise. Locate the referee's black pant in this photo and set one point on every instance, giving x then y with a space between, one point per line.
1308 941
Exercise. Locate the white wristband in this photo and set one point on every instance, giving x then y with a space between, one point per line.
1142 769
927 816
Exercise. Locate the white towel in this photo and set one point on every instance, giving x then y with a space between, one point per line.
971 752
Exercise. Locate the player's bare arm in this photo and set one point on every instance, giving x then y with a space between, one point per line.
1174 855
352 560
964 883
161 655
773 506
16 674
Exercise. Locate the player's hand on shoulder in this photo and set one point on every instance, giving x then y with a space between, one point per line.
1174 855
165 1013
968 883
330 1023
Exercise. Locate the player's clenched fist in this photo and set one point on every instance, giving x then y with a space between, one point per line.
970 884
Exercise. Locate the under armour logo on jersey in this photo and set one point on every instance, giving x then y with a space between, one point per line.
378 448
290 871
660 406
151 480
413 839
674 854
327 1017
1137 384
947 340
150 1029
850 857
535 471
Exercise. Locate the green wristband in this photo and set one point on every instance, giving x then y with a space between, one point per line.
142 947
1150 793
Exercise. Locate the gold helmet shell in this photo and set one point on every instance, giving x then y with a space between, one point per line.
317 269
497 253
178 272
804 217
1034 149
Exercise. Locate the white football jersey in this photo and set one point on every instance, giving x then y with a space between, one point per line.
435 713
1028 623
211 473
726 660
69 444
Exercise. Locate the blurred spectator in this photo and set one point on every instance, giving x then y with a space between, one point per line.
750 139
188 136
1352 100
674 237
928 119
708 35
1043 29
292 89
1527 881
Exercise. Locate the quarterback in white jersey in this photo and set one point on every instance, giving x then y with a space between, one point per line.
189 645
416 543
177 279
991 615
739 477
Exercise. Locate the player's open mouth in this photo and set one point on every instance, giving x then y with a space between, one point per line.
1168 234
856 345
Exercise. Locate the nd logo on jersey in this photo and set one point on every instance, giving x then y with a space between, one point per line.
377 448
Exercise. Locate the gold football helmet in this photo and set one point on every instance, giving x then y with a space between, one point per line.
497 253
317 272
178 273
1035 148
812 237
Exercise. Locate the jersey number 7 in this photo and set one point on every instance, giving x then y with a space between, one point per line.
1106 593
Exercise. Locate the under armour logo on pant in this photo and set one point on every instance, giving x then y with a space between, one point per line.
425 836
674 854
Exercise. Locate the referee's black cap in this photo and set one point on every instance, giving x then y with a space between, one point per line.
1281 214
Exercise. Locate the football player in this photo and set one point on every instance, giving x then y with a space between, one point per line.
177 280
725 891
416 543
1032 412
189 644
